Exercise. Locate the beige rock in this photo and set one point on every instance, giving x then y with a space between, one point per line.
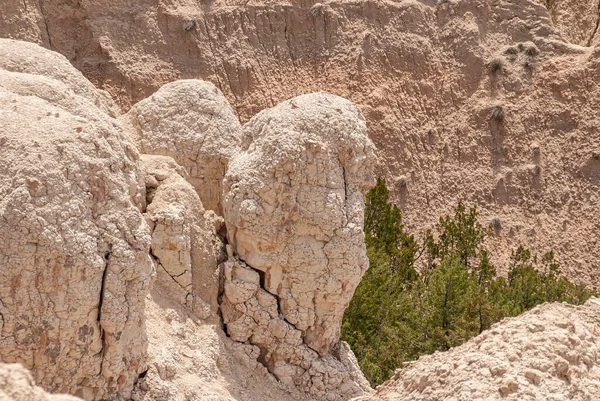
557 363
204 363
26 58
293 204
192 122
74 264
416 69
16 384
576 20
185 243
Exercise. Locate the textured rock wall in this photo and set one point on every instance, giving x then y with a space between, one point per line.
86 223
185 244
16 384
576 20
417 71
294 203
74 264
192 122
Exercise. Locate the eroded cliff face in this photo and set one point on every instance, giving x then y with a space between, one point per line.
87 224
418 72
74 265
294 206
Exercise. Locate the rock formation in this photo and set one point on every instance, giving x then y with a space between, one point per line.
74 263
86 224
549 353
417 70
192 122
84 220
16 384
185 243
294 203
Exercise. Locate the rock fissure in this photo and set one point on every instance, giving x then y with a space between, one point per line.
595 31
107 255
45 19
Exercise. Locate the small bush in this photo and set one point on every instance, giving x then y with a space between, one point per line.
529 65
495 66
497 114
189 25
511 53
532 51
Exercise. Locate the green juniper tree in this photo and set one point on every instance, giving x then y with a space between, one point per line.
400 311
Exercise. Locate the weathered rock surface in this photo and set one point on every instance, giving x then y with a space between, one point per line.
577 20
74 263
30 59
191 360
85 220
185 243
16 384
294 203
549 353
416 69
192 122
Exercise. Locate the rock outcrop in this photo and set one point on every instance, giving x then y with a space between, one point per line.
74 263
549 353
192 122
577 20
87 224
185 243
417 70
16 384
294 203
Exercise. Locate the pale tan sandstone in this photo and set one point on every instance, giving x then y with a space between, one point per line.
28 58
577 20
192 122
549 353
185 243
191 360
417 70
252 315
16 384
74 264
293 203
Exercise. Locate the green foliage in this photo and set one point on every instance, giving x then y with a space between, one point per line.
400 312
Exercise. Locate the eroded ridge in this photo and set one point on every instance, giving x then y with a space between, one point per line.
293 203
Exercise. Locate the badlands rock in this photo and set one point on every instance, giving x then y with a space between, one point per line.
192 122
185 243
16 384
293 204
190 360
74 264
577 20
416 69
549 353
28 58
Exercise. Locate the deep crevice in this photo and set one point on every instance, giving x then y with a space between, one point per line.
262 357
42 11
107 256
262 278
591 39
